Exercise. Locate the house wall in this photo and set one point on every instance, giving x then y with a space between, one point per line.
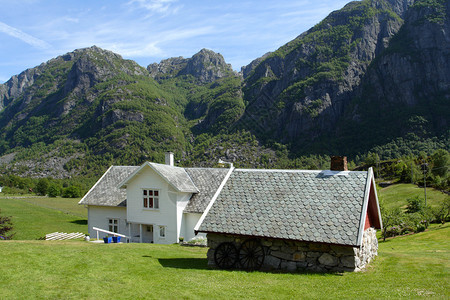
183 200
293 256
98 216
166 215
190 220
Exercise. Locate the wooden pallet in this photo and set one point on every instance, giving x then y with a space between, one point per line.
59 236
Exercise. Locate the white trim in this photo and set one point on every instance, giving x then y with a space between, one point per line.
213 199
365 205
159 231
82 199
378 204
153 196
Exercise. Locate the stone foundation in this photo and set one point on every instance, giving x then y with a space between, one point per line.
293 256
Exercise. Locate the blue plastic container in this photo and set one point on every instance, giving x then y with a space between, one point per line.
116 239
107 239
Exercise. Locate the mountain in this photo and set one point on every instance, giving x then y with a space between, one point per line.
373 76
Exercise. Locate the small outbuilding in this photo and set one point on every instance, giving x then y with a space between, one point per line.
293 220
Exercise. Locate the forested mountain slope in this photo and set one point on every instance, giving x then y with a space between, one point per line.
373 76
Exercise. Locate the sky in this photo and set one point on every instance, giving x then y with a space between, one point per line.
148 31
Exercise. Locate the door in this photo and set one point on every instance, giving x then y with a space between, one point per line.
147 233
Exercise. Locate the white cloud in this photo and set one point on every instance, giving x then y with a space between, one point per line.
156 6
31 40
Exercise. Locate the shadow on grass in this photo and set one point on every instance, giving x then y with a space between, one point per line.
79 222
184 263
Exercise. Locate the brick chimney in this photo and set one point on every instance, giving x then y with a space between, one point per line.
169 159
338 163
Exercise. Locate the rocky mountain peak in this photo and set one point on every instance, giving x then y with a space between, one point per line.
206 65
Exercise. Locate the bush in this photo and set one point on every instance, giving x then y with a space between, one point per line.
42 187
414 205
392 231
54 190
72 192
5 228
441 214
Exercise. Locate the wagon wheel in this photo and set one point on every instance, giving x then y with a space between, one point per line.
225 255
251 255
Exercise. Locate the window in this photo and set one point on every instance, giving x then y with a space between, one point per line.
162 231
151 198
113 225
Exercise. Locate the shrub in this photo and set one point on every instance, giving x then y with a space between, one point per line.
414 205
441 214
5 228
72 191
42 186
392 231
54 190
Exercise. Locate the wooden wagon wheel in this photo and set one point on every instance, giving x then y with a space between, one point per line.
251 255
225 255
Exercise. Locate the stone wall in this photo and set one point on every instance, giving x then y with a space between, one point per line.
293 256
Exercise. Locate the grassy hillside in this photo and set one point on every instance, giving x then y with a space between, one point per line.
35 217
407 267
395 195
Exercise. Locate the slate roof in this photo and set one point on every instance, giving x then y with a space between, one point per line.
207 180
299 205
106 191
176 176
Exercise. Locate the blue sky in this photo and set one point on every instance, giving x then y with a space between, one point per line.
147 31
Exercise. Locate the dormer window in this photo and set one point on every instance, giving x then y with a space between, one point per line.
150 198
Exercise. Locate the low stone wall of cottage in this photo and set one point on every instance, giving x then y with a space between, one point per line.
295 256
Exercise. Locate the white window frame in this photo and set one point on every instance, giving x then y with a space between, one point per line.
113 223
164 231
154 198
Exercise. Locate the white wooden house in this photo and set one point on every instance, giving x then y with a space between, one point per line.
152 203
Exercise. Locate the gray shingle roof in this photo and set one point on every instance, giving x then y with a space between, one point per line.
177 177
207 180
297 205
106 192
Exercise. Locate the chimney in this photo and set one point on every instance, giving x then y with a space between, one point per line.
169 159
338 163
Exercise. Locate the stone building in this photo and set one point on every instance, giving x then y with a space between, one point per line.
293 220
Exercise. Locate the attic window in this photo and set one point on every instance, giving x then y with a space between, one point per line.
150 198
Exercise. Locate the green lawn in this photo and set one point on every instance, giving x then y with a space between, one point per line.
407 267
34 217
395 195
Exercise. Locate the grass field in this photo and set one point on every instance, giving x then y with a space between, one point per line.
407 267
34 217
413 266
396 195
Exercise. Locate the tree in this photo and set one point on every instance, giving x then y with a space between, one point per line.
5 228
72 191
54 190
391 217
441 160
42 186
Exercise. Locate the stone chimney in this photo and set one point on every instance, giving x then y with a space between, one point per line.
338 163
169 159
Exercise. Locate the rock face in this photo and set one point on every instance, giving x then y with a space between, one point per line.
414 71
207 66
296 256
303 89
